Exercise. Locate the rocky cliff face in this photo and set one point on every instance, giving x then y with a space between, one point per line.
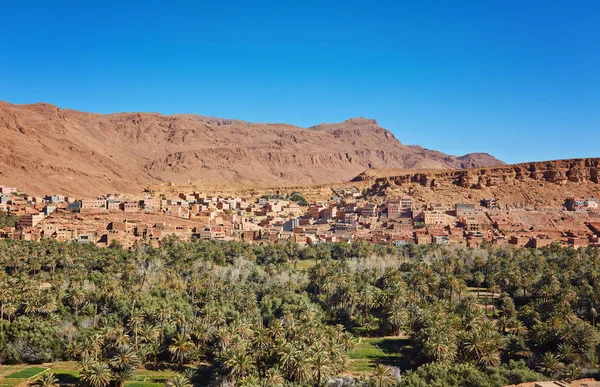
557 172
47 149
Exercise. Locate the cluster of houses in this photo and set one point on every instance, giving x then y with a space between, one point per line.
346 216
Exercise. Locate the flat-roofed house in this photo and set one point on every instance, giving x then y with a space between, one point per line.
422 239
113 204
29 220
434 217
470 223
465 210
519 240
541 241
92 205
576 243
398 207
131 206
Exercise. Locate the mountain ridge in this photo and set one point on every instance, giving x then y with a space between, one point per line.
44 148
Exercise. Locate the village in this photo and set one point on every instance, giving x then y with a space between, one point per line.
346 216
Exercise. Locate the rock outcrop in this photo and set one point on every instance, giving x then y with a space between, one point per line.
534 185
556 172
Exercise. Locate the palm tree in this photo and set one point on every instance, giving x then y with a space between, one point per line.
440 346
382 376
502 323
148 352
239 365
347 341
494 289
396 318
178 381
120 337
584 338
181 322
251 381
180 348
567 353
125 359
453 284
47 379
135 321
164 314
96 375
121 376
367 296
572 372
479 278
285 353
273 377
461 288
76 299
550 364
321 364
519 328
148 333
483 344
9 311
85 362
93 346
301 369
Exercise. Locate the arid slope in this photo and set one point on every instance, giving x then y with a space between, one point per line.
47 149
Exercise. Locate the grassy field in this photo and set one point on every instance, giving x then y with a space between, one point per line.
392 351
11 382
20 375
68 375
483 292
303 265
149 378
26 373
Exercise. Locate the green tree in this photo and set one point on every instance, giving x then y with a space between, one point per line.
96 375
382 376
178 381
47 379
181 348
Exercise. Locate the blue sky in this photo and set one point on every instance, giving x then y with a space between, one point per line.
518 79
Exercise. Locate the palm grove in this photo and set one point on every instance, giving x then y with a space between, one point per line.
228 313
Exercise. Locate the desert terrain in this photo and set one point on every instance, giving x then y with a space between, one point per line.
44 148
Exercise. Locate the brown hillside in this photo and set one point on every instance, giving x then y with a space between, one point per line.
47 149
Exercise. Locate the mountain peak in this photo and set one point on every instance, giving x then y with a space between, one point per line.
361 120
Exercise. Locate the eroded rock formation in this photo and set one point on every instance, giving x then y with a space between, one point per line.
557 172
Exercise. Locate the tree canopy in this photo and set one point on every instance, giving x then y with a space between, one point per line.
475 317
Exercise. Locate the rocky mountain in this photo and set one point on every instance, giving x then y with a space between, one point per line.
47 149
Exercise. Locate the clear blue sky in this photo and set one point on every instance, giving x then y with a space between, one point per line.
518 79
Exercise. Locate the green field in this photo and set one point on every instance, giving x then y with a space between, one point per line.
391 351
26 373
67 374
150 375
303 265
